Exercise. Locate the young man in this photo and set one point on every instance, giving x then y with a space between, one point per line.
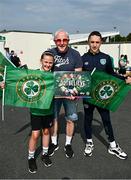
101 61
66 59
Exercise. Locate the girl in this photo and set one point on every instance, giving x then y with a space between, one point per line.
41 119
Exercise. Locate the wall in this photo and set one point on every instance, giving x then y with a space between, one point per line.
28 46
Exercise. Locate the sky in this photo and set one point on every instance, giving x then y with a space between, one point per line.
75 16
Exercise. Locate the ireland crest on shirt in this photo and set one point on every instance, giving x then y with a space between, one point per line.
103 61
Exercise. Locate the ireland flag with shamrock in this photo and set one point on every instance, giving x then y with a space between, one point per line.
29 88
107 91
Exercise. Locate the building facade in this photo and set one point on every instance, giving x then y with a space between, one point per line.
29 45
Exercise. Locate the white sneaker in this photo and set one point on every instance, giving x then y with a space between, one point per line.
88 149
117 151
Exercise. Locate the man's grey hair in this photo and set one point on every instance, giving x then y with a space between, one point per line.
60 30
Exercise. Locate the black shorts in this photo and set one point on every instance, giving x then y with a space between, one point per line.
41 122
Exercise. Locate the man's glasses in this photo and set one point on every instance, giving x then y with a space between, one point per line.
97 42
59 41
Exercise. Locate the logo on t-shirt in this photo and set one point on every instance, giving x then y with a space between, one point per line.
59 61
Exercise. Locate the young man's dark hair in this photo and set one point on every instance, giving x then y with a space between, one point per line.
95 33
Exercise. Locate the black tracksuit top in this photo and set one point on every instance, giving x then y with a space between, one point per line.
100 61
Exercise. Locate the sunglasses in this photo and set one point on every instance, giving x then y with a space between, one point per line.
59 41
97 42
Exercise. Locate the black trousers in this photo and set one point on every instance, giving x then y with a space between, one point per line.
105 116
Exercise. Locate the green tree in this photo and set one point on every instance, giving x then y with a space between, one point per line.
119 38
128 38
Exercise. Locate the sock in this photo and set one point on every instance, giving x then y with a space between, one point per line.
31 154
54 139
113 144
68 139
45 150
89 140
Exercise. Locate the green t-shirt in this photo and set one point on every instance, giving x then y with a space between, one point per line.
42 112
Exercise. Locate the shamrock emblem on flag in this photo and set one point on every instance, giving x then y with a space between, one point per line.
106 92
31 88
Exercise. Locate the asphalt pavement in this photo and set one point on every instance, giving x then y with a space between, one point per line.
14 136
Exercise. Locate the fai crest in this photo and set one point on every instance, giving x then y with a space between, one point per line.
103 61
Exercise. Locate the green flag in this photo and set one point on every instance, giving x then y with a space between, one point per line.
4 62
29 88
108 91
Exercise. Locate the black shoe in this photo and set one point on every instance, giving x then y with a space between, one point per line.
52 149
68 151
32 165
46 160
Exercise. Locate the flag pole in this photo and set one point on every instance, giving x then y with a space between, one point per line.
93 71
3 95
